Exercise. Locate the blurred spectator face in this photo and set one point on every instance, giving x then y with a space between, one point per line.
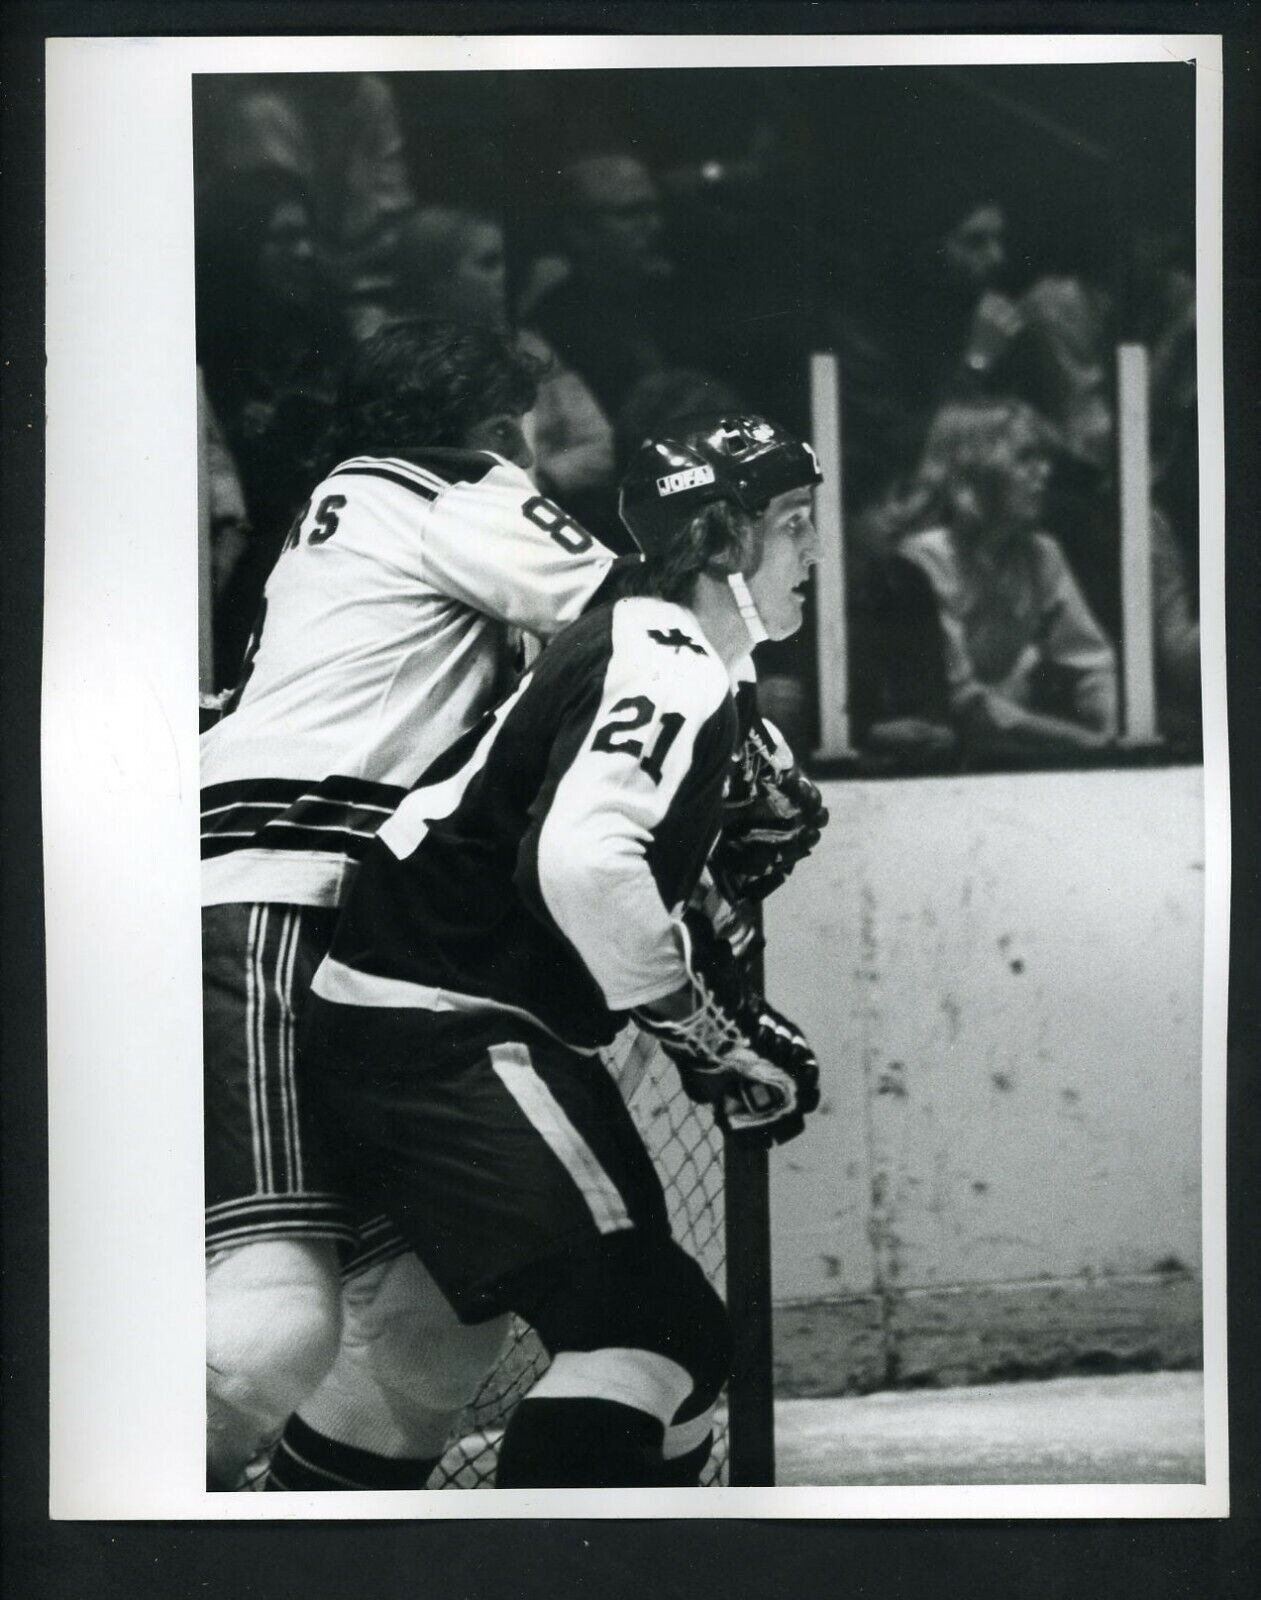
1021 470
478 285
975 249
986 466
614 221
451 264
1008 479
288 268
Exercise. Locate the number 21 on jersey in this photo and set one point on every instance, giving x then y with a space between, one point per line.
616 736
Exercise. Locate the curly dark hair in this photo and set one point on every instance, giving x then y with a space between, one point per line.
424 382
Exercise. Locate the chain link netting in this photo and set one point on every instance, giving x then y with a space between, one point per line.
688 1150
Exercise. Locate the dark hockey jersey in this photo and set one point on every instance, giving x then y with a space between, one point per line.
540 866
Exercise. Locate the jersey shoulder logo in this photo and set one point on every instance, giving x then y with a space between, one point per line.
676 639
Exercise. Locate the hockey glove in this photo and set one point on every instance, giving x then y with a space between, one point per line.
736 925
773 817
733 1051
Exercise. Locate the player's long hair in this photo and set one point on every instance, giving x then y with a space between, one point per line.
717 533
423 383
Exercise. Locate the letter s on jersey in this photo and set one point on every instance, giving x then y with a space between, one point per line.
326 519
326 522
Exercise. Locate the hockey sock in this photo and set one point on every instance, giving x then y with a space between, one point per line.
684 1472
579 1444
305 1459
687 1445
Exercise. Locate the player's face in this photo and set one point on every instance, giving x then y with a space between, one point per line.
790 547
505 436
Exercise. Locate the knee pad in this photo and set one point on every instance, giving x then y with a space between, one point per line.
273 1321
406 1367
631 1297
401 1326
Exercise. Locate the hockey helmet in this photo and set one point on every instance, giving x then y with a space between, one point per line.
741 458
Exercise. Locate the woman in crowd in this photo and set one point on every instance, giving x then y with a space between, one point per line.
270 340
1060 360
1029 670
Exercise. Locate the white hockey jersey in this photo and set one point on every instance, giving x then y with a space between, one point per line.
387 629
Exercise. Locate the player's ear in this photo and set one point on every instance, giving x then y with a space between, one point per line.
730 540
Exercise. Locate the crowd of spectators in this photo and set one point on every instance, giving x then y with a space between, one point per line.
979 419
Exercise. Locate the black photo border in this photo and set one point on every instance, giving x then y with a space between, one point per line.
611 1559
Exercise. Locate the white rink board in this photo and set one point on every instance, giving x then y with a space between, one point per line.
1002 977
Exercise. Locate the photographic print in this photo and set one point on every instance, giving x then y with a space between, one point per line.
680 969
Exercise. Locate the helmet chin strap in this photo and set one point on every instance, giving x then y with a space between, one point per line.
747 607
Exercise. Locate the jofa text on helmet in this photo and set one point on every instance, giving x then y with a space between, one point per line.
689 478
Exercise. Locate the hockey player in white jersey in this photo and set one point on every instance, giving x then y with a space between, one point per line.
522 902
389 625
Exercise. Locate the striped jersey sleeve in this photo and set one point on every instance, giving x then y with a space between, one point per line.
490 539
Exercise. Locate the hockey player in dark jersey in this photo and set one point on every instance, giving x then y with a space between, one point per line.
525 899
